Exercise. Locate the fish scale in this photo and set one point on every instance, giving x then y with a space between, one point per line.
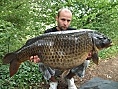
71 56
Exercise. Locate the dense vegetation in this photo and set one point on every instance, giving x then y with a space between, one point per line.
23 19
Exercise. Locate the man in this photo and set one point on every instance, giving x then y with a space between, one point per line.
63 19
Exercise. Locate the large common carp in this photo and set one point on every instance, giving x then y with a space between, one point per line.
62 50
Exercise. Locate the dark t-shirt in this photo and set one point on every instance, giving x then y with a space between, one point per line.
54 29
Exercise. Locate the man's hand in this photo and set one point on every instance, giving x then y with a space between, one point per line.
35 59
89 55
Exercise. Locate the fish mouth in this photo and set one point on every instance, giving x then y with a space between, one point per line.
109 45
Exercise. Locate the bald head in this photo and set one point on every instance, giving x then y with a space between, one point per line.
64 10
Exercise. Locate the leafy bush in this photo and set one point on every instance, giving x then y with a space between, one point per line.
7 32
27 77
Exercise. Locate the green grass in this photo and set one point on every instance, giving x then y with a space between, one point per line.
109 52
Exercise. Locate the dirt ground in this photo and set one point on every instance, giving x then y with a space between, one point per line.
107 69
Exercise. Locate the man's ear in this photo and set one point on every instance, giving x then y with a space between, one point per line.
56 18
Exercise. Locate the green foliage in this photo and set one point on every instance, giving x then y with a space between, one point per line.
27 77
6 31
24 19
108 53
14 12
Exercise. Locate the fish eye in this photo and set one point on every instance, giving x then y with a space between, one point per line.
100 37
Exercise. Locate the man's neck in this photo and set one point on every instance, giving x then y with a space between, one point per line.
59 29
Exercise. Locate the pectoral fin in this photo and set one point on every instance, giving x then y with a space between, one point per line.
95 58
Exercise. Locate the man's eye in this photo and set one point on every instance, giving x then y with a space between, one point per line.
63 19
68 20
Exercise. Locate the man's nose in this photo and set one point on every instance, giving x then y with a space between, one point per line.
65 22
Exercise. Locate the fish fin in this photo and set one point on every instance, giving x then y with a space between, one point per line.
14 65
95 58
8 58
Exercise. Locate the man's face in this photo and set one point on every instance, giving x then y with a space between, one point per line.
64 20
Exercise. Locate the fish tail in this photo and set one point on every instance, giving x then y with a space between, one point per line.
8 58
14 63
